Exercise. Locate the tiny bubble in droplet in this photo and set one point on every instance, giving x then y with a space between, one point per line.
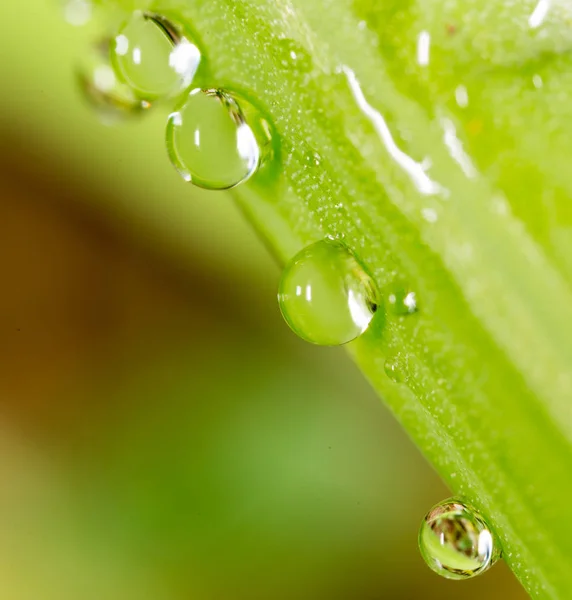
326 294
456 542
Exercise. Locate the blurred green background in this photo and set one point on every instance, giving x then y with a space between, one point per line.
164 435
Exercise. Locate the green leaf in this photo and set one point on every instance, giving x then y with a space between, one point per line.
452 178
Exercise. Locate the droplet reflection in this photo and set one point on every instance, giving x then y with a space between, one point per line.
456 542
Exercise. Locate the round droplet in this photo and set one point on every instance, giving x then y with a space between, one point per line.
292 56
397 368
154 57
456 542
326 295
217 140
401 300
111 99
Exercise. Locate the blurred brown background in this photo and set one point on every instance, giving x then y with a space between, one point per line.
163 435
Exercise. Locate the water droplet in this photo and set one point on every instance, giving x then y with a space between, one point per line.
111 99
154 56
397 368
401 299
326 295
217 140
456 542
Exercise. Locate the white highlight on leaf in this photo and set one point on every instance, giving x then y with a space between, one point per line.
455 147
77 12
539 14
423 48
414 169
462 96
430 215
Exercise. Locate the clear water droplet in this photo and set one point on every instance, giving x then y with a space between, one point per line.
326 295
456 542
154 56
292 56
401 300
397 368
217 140
111 99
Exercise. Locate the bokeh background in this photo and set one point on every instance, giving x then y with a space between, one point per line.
163 435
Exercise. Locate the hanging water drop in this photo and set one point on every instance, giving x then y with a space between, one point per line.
456 542
326 295
217 140
111 99
154 56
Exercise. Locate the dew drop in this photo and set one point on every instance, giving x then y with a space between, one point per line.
111 99
217 140
456 542
326 295
154 57
397 368
401 300
292 56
